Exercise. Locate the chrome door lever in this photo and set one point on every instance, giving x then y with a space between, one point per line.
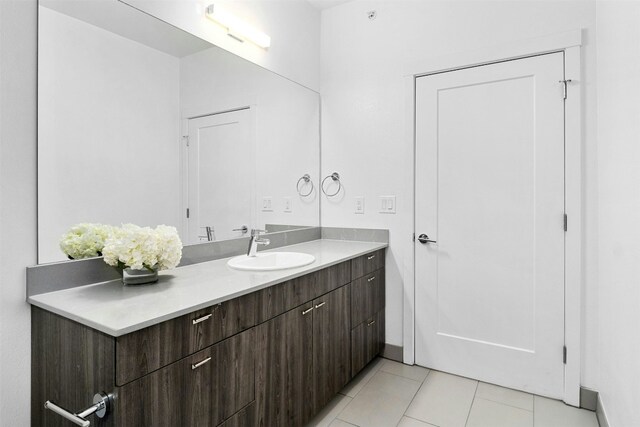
423 238
100 407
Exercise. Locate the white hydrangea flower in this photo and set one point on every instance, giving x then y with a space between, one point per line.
85 240
143 247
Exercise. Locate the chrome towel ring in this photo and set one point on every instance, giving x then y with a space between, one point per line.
336 178
307 180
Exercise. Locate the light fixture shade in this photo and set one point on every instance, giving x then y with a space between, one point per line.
236 27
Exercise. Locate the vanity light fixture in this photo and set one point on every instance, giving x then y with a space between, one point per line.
236 27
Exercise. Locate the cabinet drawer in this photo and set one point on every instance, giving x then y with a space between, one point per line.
244 418
366 264
367 340
149 349
203 389
275 300
367 296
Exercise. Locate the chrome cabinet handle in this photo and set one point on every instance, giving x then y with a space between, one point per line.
244 229
321 304
197 365
371 279
371 257
202 319
304 312
371 323
100 407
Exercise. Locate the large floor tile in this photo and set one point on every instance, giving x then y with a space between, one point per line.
412 422
443 400
487 413
416 373
381 402
553 413
504 395
356 384
330 412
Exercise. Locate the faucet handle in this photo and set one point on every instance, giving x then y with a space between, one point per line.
256 232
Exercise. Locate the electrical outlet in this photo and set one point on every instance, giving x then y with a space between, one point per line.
359 205
267 204
388 204
287 204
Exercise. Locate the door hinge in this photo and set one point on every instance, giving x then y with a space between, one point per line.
566 221
186 139
564 354
187 212
564 86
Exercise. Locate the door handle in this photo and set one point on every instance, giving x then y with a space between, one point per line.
423 238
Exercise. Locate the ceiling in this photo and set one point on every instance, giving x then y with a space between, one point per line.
326 4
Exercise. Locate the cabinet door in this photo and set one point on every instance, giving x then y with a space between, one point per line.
367 340
331 345
284 369
367 296
200 390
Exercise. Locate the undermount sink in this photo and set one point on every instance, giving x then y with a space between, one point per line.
268 261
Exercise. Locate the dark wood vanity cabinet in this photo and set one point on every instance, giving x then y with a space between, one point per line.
303 359
274 357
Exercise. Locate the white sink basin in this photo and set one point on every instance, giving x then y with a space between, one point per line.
268 261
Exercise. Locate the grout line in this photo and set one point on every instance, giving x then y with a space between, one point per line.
372 371
502 403
402 376
422 421
414 396
472 400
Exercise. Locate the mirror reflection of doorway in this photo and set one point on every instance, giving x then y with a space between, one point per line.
219 146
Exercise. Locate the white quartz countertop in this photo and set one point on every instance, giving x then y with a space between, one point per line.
117 310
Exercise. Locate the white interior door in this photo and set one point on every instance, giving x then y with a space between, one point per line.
220 175
490 193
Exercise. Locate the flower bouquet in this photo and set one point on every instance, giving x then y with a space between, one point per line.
85 240
142 251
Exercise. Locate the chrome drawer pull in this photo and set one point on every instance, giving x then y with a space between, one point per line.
304 312
197 365
371 257
202 319
371 279
371 323
321 304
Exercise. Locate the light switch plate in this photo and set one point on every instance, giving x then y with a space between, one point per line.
359 206
267 204
387 204
287 204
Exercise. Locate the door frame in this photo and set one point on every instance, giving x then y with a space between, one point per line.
569 43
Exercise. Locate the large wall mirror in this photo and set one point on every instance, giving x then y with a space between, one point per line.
139 121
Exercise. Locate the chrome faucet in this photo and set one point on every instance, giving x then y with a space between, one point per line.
211 234
255 241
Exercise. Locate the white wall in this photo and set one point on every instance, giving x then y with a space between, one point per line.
363 112
109 131
294 27
287 127
18 47
618 26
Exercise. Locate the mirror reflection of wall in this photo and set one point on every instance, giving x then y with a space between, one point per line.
119 92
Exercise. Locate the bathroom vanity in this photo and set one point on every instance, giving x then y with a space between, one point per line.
238 349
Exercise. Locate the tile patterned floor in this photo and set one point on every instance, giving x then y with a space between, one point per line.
389 394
